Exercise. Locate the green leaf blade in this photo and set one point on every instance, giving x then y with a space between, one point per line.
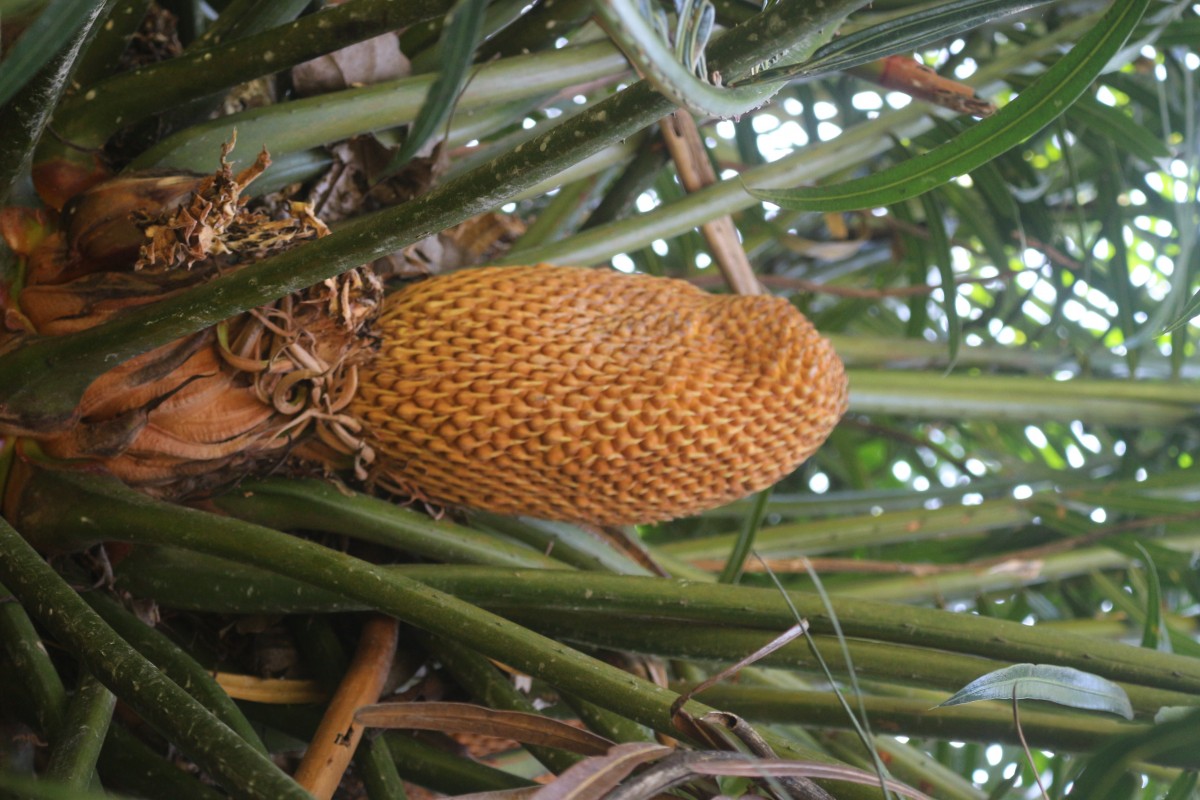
1062 685
461 37
939 245
1154 631
48 34
745 540
904 34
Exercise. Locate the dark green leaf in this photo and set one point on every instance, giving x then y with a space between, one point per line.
1181 32
745 540
1183 787
33 788
1168 562
939 245
459 40
916 260
1112 224
242 18
1115 125
1154 630
49 33
973 218
26 115
903 34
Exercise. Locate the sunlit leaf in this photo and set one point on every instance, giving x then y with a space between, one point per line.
1035 108
1063 685
1190 312
640 37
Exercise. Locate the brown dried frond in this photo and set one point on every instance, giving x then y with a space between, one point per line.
204 226
591 396
156 40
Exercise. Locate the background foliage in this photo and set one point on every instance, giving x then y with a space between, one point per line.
1020 445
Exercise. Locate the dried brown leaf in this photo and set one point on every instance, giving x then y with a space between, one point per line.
280 691
468 718
823 251
156 40
360 64
593 778
686 722
352 184
749 767
501 794
903 73
212 222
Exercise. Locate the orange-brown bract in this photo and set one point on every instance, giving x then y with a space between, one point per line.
592 396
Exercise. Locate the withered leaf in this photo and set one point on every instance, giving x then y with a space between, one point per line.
468 718
360 64
593 778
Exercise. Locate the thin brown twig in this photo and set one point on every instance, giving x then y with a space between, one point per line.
790 565
695 172
1052 253
921 232
908 438
1076 542
1025 745
815 287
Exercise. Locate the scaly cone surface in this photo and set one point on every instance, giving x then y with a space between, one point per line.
591 396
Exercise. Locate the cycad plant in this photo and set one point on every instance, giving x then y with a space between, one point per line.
275 524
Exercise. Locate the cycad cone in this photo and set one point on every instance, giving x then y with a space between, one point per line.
591 396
